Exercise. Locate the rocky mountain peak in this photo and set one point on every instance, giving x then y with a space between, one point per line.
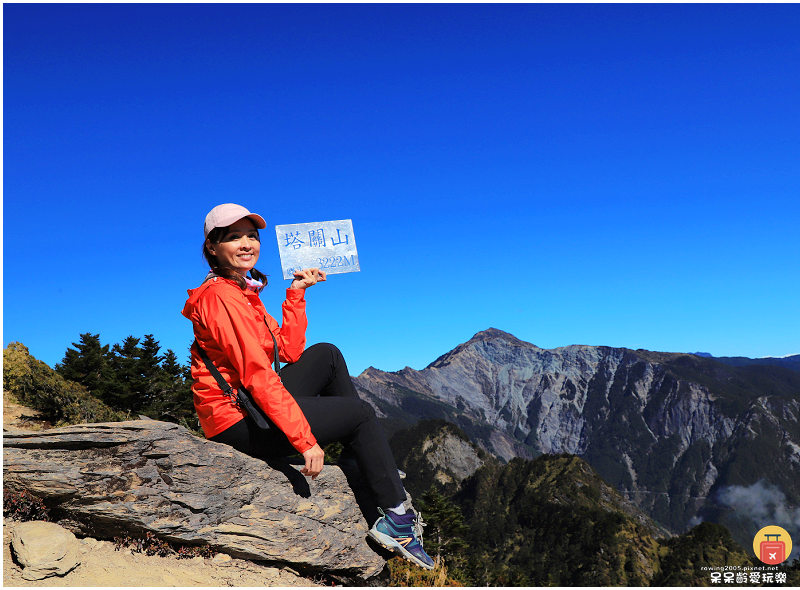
667 429
492 333
490 337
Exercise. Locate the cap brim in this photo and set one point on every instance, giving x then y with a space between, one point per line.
254 217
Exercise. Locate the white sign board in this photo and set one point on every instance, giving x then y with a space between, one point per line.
327 245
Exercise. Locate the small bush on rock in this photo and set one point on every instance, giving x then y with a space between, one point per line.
152 545
24 506
203 551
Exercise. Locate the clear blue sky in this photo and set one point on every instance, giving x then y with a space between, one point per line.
621 175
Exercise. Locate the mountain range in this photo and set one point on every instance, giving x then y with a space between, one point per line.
790 361
683 437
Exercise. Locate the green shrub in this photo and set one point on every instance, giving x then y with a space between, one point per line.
37 386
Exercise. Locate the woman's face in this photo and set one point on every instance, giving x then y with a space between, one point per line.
239 249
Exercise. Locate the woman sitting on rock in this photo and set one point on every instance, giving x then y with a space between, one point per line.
312 402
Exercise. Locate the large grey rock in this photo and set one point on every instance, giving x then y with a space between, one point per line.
44 549
128 478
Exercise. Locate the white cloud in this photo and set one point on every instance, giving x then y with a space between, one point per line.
766 505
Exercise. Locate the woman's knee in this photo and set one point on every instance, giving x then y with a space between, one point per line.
362 410
325 350
332 349
369 411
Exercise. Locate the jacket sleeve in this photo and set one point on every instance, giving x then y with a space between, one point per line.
291 335
233 325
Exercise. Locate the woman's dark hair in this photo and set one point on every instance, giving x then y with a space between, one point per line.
215 236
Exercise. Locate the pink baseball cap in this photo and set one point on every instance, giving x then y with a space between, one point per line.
225 215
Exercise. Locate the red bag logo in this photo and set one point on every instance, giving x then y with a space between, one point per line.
772 552
772 545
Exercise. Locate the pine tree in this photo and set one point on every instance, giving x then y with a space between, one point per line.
133 377
152 384
86 363
172 400
123 390
171 367
445 532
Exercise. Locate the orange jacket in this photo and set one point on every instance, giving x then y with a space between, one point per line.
231 326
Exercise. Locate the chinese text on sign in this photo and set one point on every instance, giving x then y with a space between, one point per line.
327 245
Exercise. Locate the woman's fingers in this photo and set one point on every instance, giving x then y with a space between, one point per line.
315 461
309 277
301 278
314 274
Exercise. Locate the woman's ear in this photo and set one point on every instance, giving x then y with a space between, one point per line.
210 248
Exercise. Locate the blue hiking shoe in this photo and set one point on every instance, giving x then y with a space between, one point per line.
402 533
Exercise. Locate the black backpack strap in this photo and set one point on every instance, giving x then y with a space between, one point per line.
226 388
241 399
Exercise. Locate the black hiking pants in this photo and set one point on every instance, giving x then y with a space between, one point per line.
320 383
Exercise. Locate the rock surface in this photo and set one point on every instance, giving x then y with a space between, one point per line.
129 478
44 549
101 565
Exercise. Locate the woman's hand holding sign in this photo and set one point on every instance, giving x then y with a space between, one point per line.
307 277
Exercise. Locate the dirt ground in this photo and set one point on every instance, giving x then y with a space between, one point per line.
17 416
102 565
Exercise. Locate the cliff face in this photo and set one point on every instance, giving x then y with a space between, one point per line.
666 429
